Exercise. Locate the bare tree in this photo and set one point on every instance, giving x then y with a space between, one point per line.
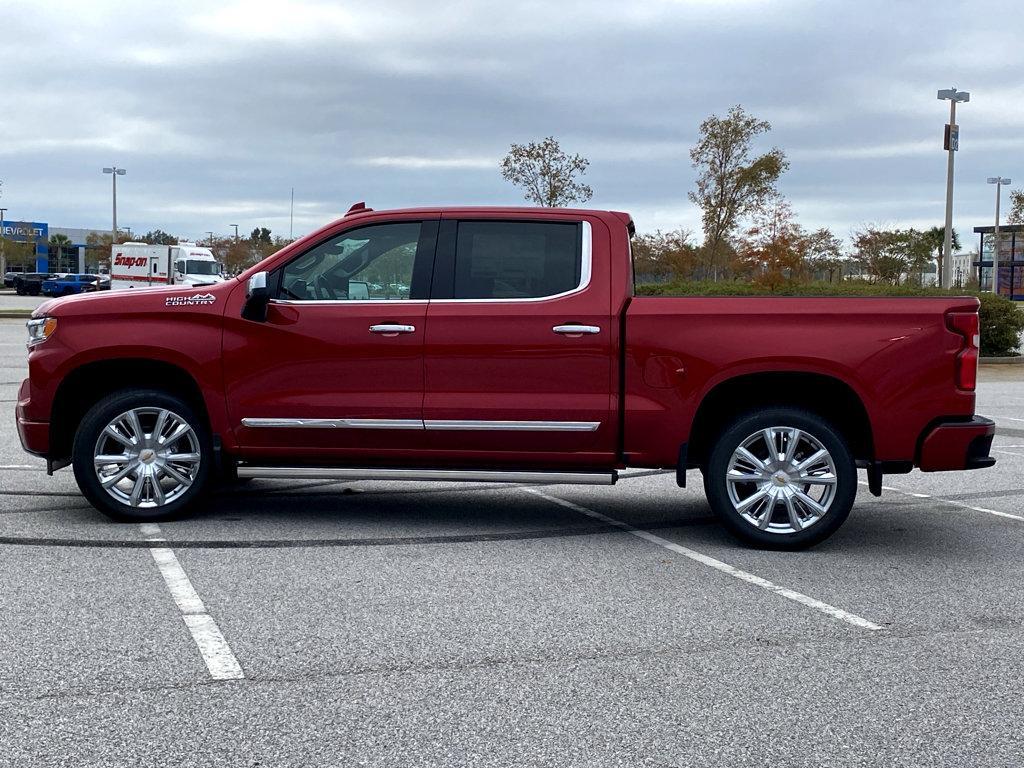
731 185
547 175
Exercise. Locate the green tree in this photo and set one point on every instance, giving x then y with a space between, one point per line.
731 184
824 254
1016 207
936 237
892 256
663 256
547 175
261 235
58 245
159 237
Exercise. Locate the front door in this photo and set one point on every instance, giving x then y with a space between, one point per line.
336 371
519 344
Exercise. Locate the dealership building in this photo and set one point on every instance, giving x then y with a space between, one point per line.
70 257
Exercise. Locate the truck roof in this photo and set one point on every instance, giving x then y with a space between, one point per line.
357 211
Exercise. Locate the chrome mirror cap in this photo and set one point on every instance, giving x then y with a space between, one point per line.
257 282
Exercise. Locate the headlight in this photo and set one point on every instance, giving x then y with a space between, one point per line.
39 330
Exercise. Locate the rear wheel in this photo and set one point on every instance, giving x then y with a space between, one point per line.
142 455
781 478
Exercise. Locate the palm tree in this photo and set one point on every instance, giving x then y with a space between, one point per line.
59 243
936 239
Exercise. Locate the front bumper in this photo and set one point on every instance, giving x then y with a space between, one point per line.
958 445
34 436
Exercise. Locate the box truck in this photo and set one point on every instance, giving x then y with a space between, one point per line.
134 265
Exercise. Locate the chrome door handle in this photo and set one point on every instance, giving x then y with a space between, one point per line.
576 328
391 328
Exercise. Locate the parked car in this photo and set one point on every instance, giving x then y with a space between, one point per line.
66 285
10 276
30 283
520 354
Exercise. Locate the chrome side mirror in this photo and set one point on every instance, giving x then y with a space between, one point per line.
257 297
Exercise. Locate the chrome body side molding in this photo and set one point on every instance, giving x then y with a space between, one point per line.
393 474
418 424
364 424
501 424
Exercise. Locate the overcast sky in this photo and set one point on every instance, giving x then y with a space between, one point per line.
217 109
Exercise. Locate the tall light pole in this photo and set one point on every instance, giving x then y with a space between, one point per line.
999 181
3 240
952 145
114 172
236 231
208 232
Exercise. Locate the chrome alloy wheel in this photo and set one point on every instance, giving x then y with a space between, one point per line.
147 457
781 480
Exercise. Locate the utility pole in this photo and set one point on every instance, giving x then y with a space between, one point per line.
952 144
999 181
114 172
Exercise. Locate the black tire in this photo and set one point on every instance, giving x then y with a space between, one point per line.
747 425
89 431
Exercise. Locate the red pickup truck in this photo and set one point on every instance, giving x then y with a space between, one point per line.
497 344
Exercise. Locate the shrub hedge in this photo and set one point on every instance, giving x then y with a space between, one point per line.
1002 322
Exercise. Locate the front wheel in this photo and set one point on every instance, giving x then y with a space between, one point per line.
781 478
142 455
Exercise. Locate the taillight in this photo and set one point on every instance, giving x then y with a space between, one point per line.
966 324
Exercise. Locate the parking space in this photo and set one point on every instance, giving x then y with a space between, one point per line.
377 623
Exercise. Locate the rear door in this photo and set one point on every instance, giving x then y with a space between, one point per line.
517 357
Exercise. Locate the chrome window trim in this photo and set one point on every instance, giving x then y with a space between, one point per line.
586 271
420 424
350 302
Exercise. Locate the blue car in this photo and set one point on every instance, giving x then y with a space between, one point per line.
65 285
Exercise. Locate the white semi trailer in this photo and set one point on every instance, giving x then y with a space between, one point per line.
134 265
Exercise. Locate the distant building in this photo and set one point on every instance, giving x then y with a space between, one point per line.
1011 259
50 258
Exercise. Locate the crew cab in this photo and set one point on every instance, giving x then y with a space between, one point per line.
65 285
498 344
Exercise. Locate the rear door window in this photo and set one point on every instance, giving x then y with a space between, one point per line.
516 260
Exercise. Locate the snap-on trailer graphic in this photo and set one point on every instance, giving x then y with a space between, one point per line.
134 265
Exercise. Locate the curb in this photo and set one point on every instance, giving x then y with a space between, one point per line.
1007 360
22 314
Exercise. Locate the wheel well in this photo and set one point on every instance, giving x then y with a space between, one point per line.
826 396
84 386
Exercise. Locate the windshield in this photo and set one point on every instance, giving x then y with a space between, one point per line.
195 267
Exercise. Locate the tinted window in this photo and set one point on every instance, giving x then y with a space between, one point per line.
516 260
374 262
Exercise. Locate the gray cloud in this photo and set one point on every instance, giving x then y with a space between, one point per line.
216 110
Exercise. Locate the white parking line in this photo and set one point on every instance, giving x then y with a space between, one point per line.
952 502
721 566
217 655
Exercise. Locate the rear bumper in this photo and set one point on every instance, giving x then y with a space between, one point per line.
34 436
958 445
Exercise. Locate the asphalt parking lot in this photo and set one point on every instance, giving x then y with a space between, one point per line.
376 623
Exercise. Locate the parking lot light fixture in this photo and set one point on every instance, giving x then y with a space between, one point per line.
952 140
1000 182
114 172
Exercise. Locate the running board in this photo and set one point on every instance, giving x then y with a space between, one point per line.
391 474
